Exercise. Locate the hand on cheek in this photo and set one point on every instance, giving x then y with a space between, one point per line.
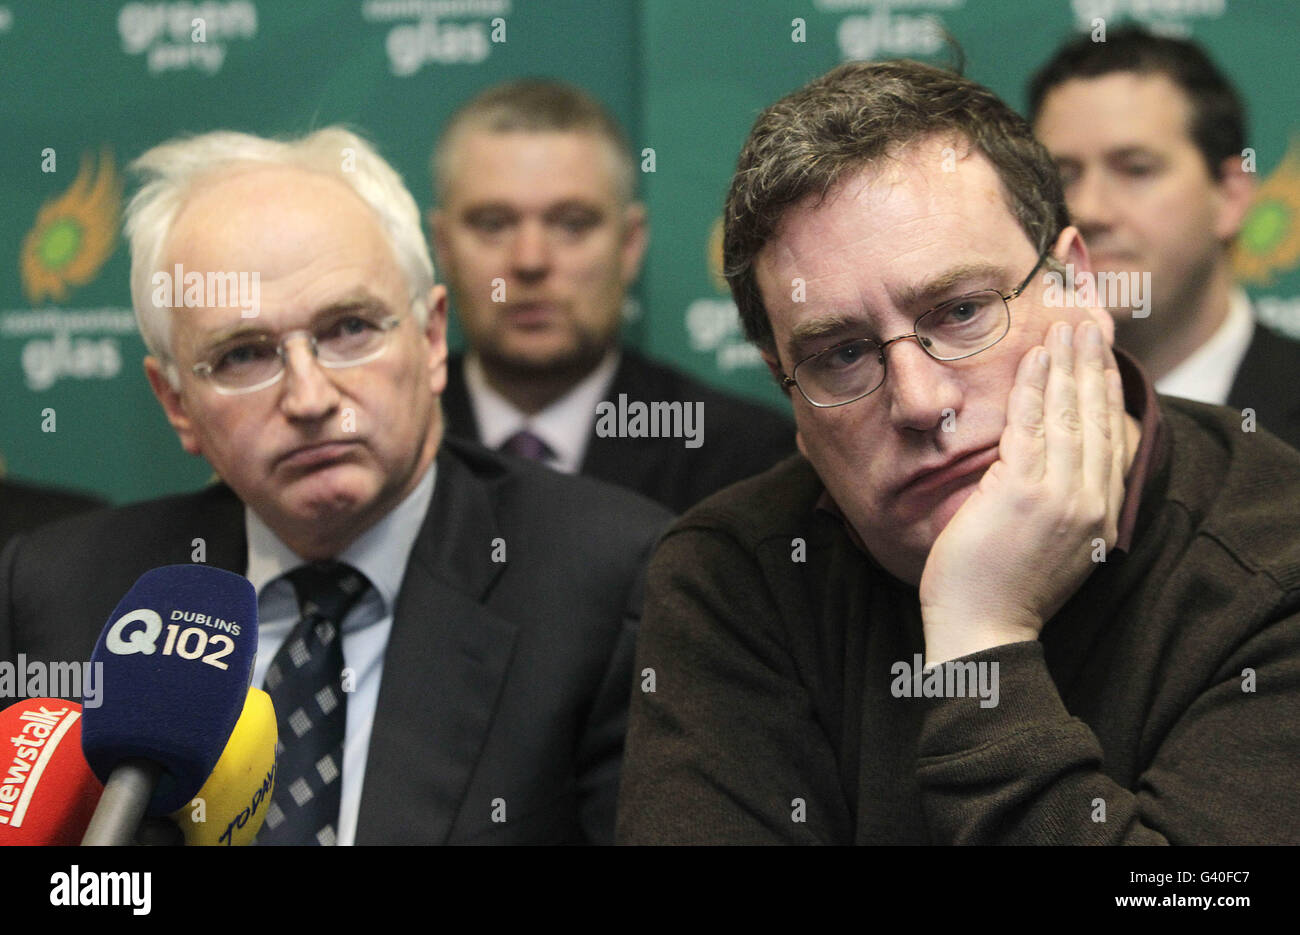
1026 538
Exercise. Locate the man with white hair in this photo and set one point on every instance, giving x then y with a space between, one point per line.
486 608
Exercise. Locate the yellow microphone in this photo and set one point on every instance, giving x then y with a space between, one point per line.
232 804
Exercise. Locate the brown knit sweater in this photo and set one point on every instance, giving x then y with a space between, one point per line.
1161 704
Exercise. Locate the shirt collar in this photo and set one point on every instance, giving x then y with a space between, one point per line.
1206 375
1153 443
379 553
565 425
1152 451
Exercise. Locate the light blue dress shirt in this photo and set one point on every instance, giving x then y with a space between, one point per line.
380 553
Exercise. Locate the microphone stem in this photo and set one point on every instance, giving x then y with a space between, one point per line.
121 808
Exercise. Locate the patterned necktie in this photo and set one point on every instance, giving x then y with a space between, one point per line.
524 444
304 682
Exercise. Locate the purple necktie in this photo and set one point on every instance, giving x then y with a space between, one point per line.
524 444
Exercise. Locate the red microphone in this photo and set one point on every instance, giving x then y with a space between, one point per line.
47 790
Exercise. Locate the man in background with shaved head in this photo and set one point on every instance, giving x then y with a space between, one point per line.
540 236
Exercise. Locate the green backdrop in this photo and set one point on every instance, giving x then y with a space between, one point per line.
85 87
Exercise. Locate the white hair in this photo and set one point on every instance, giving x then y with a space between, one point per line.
170 170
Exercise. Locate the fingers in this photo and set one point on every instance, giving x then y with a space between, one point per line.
1084 425
1094 412
1062 418
1065 428
1119 452
1023 448
1118 439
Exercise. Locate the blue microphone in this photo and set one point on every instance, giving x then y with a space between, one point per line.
177 659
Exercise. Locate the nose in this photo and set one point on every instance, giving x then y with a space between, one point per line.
308 393
530 256
919 389
1090 203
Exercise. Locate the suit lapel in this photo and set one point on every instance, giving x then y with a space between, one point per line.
1261 380
458 414
446 658
637 463
629 462
228 547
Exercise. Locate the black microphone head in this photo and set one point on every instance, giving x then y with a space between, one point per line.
177 659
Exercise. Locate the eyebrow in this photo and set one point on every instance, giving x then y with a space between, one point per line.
573 205
824 332
1136 151
487 207
919 297
940 287
358 300
508 207
1125 151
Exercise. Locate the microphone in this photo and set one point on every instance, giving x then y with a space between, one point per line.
47 792
177 657
232 804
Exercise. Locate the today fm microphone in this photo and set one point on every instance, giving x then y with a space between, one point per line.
232 804
47 791
177 658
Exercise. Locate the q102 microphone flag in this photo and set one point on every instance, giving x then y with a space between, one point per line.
177 657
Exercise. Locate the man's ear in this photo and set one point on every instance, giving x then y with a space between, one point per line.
173 405
774 368
1071 250
435 330
636 236
1236 191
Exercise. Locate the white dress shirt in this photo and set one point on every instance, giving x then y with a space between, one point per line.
1207 374
565 425
380 553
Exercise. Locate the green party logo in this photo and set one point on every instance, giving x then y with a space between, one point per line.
75 232
1269 242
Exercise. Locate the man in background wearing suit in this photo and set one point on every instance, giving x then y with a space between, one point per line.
539 236
474 686
1148 136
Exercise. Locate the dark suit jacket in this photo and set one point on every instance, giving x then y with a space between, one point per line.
501 680
1266 382
24 506
740 438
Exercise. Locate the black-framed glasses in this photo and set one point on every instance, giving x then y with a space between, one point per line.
250 362
953 330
